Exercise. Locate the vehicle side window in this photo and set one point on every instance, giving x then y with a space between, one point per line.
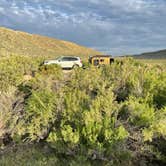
73 59
69 59
65 59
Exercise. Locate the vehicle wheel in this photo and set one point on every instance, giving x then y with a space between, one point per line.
75 66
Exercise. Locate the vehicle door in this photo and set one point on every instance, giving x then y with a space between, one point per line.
65 62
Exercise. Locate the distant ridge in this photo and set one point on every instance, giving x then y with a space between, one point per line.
152 55
22 43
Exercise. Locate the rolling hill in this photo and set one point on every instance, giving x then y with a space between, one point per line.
21 43
152 55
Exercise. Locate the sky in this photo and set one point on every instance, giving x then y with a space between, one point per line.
117 27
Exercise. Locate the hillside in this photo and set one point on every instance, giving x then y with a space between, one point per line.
21 43
152 55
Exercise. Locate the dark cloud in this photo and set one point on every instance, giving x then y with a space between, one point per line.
112 26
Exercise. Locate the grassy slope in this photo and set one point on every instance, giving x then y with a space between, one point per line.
16 42
152 55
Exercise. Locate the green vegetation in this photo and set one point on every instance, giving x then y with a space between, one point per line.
112 115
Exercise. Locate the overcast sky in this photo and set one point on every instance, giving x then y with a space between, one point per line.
113 26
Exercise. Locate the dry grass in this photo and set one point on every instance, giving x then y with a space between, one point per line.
5 111
22 43
153 61
9 107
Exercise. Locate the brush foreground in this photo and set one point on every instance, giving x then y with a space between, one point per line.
112 115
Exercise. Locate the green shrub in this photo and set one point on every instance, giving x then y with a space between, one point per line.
99 113
157 127
39 115
14 68
141 113
160 91
52 69
88 123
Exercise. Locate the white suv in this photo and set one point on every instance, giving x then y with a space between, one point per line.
65 62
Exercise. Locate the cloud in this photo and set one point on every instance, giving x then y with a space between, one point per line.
114 26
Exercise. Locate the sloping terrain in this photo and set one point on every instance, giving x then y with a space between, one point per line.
152 55
21 43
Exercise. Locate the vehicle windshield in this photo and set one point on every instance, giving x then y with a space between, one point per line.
58 58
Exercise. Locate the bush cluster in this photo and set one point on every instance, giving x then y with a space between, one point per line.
115 113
